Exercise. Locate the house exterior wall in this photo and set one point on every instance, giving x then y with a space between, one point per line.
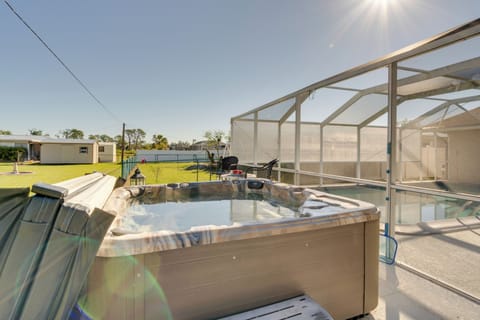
7 144
463 155
69 153
107 152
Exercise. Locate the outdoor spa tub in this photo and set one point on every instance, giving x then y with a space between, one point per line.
206 250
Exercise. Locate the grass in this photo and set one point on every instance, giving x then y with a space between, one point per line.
155 173
171 172
51 173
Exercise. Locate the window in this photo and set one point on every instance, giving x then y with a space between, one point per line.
101 149
83 149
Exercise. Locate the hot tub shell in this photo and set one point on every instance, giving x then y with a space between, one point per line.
211 271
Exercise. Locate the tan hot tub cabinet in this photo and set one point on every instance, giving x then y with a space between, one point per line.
333 259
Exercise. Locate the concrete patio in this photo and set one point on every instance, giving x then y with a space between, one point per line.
451 289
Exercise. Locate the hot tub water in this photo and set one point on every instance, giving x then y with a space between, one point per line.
181 216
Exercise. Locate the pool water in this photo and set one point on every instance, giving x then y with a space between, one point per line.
411 207
181 216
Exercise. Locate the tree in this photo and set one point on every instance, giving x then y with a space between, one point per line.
35 132
5 132
72 134
129 137
214 139
135 138
101 137
118 140
159 142
180 145
403 123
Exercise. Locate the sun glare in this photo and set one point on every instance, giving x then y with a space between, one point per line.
377 18
383 3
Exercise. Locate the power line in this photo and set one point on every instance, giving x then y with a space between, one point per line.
63 64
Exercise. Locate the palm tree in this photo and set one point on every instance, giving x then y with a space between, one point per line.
159 142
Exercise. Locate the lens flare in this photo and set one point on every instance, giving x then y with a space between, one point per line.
127 280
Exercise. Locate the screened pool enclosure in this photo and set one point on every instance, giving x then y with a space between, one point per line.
402 131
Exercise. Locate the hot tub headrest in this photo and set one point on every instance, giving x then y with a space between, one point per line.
255 184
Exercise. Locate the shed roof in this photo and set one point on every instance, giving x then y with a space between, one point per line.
43 139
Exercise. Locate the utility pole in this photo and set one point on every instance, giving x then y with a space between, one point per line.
123 145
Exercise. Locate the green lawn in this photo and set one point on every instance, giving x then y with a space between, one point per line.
155 173
51 173
171 172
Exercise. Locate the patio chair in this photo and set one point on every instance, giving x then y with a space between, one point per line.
226 165
267 167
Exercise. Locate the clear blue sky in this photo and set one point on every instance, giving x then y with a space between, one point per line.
179 68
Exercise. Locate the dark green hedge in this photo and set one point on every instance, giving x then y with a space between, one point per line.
10 153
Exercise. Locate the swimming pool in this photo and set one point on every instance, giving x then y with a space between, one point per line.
411 207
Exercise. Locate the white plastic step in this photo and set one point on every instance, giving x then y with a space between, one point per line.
298 308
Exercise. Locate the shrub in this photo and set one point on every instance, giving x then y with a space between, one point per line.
10 153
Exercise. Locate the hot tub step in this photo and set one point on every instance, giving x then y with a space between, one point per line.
301 307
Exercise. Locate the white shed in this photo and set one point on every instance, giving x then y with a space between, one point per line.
107 152
68 151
